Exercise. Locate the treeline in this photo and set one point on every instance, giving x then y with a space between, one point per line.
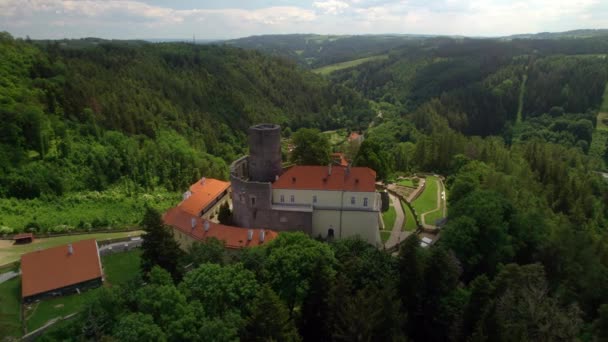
314 51
483 83
159 115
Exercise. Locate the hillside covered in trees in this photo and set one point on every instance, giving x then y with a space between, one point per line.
510 122
87 115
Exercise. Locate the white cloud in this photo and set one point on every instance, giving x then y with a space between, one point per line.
331 6
138 19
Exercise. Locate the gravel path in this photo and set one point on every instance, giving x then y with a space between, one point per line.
397 235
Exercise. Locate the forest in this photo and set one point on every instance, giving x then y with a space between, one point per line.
138 118
511 123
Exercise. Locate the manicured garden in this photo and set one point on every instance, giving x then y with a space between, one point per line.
406 182
427 201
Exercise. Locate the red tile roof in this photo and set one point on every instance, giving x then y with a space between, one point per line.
354 136
23 236
202 194
54 268
234 237
317 178
339 158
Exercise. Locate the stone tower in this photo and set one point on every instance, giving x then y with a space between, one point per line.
264 152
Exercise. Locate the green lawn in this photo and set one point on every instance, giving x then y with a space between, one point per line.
406 182
389 218
328 69
46 310
118 268
10 253
10 322
385 234
427 201
409 225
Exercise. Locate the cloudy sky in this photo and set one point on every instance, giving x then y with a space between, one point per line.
221 19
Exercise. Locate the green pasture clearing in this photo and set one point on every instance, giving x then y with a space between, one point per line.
328 69
111 208
10 253
10 321
118 268
409 224
427 201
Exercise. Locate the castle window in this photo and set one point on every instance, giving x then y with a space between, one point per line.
282 198
292 198
252 199
314 198
352 200
365 202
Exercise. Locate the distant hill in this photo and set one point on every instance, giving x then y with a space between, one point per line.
315 51
583 33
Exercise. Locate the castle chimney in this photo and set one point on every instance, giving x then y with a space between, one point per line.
262 235
70 249
249 234
203 181
207 226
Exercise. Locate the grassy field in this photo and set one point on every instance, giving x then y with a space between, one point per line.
10 322
118 268
328 69
111 208
427 201
409 225
10 253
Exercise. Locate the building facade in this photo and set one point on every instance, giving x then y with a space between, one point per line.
327 201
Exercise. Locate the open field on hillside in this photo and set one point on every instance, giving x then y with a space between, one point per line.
10 253
406 182
328 69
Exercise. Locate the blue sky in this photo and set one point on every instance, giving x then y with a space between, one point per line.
127 19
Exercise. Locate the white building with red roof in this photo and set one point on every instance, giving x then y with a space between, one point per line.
328 201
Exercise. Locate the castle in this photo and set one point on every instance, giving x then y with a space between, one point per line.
328 201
